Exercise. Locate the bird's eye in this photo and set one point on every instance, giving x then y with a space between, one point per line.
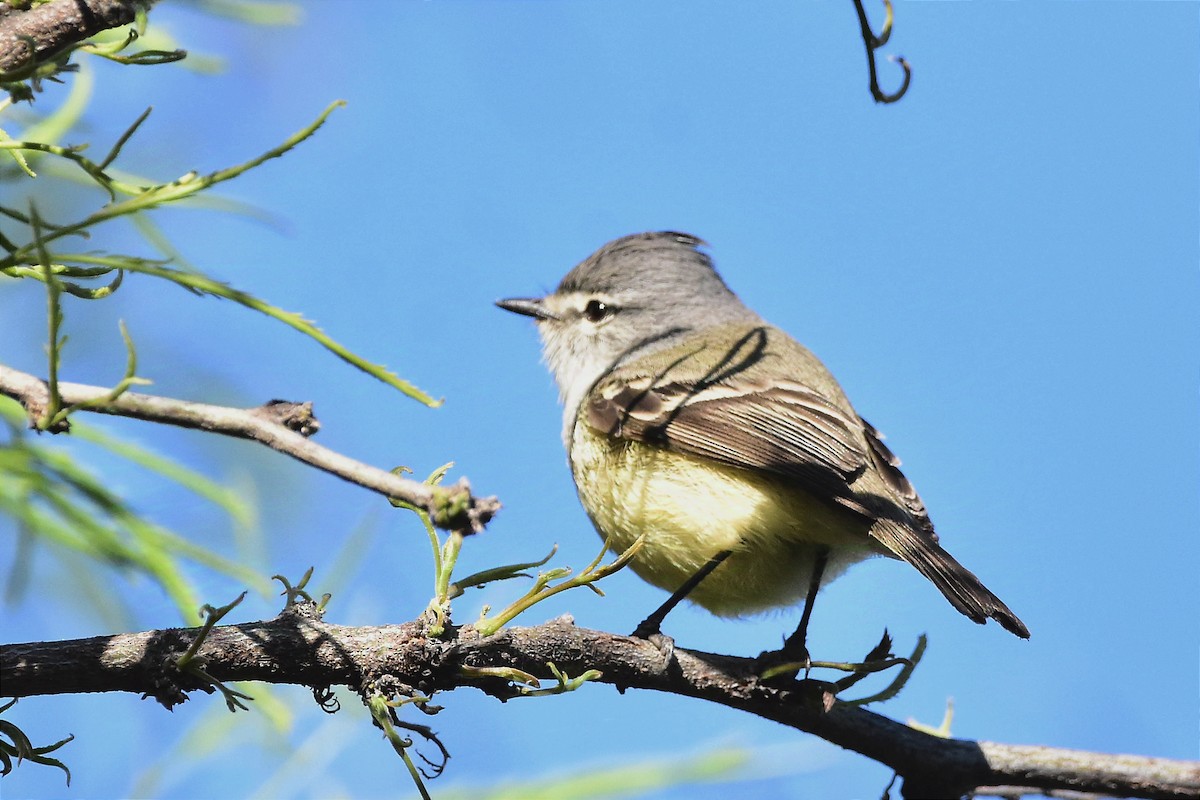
597 310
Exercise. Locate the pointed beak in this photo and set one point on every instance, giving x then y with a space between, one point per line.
528 306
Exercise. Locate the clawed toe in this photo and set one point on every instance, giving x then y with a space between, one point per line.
664 643
650 632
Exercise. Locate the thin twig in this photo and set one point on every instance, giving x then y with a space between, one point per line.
280 426
873 43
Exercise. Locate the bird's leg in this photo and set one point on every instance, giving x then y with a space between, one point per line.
794 647
652 625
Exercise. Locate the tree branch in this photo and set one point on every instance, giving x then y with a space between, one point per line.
297 647
280 426
32 35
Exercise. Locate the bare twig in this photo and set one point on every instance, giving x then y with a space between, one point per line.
280 426
298 648
873 43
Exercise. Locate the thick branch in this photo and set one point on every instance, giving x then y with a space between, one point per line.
298 648
30 36
277 426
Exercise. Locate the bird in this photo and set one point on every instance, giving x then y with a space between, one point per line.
722 443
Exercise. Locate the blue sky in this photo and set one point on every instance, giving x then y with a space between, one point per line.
1001 270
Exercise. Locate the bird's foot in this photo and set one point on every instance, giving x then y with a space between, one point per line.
786 662
649 630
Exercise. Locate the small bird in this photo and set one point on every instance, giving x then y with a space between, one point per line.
724 443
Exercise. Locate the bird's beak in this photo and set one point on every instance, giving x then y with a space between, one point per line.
529 306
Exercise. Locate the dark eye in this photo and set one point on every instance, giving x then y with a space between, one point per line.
597 310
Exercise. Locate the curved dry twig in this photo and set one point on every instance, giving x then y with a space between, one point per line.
873 43
279 425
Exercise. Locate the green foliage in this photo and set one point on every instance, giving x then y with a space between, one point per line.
72 272
384 715
54 499
57 501
445 557
528 685
15 744
544 587
722 764
255 12
193 663
522 684
25 81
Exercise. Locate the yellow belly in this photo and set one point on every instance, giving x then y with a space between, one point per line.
689 510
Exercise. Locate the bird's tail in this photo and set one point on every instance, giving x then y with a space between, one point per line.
959 585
